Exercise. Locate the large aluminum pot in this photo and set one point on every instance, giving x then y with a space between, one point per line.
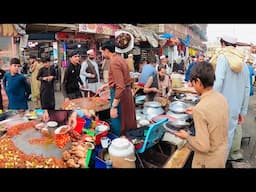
178 107
152 109
153 104
179 116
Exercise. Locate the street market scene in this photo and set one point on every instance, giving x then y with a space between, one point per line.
127 96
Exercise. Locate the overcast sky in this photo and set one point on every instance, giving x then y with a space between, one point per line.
244 32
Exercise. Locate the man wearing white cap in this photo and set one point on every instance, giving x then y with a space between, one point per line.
164 61
232 80
90 71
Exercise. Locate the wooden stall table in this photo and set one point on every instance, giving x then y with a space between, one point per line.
178 158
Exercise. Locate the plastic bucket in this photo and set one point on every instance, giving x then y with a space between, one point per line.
80 125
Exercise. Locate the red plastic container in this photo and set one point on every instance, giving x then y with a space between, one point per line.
80 125
99 136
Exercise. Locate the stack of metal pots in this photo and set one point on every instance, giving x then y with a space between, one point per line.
152 109
177 110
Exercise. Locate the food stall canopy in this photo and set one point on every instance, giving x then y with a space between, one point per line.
141 34
8 30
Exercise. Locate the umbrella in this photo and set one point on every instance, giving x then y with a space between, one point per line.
166 36
186 41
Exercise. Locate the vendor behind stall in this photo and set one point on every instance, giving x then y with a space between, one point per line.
158 85
122 110
66 116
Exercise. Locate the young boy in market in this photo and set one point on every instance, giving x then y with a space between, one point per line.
16 87
47 75
210 117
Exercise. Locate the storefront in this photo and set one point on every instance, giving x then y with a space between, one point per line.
68 42
100 33
8 46
40 45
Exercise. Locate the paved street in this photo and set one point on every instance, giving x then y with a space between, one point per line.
249 130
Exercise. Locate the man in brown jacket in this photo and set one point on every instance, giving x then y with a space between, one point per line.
122 110
210 117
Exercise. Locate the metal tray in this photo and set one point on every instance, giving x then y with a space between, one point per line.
47 150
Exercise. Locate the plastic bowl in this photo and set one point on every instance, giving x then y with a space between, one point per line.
89 145
62 129
52 124
40 126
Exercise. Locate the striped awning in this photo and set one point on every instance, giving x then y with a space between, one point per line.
7 30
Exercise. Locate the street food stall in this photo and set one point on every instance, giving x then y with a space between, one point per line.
29 143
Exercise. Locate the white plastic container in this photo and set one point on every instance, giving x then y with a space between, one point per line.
122 153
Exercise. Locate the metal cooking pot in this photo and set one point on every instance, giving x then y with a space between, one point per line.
140 116
176 125
179 116
178 107
152 109
154 104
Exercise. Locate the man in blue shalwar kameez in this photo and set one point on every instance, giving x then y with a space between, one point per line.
232 80
16 87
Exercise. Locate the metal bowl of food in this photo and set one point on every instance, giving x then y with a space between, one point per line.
62 129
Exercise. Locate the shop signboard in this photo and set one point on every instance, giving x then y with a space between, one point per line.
64 59
105 29
55 52
71 36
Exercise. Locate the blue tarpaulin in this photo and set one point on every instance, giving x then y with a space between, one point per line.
186 41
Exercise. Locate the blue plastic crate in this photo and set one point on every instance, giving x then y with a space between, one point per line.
100 163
